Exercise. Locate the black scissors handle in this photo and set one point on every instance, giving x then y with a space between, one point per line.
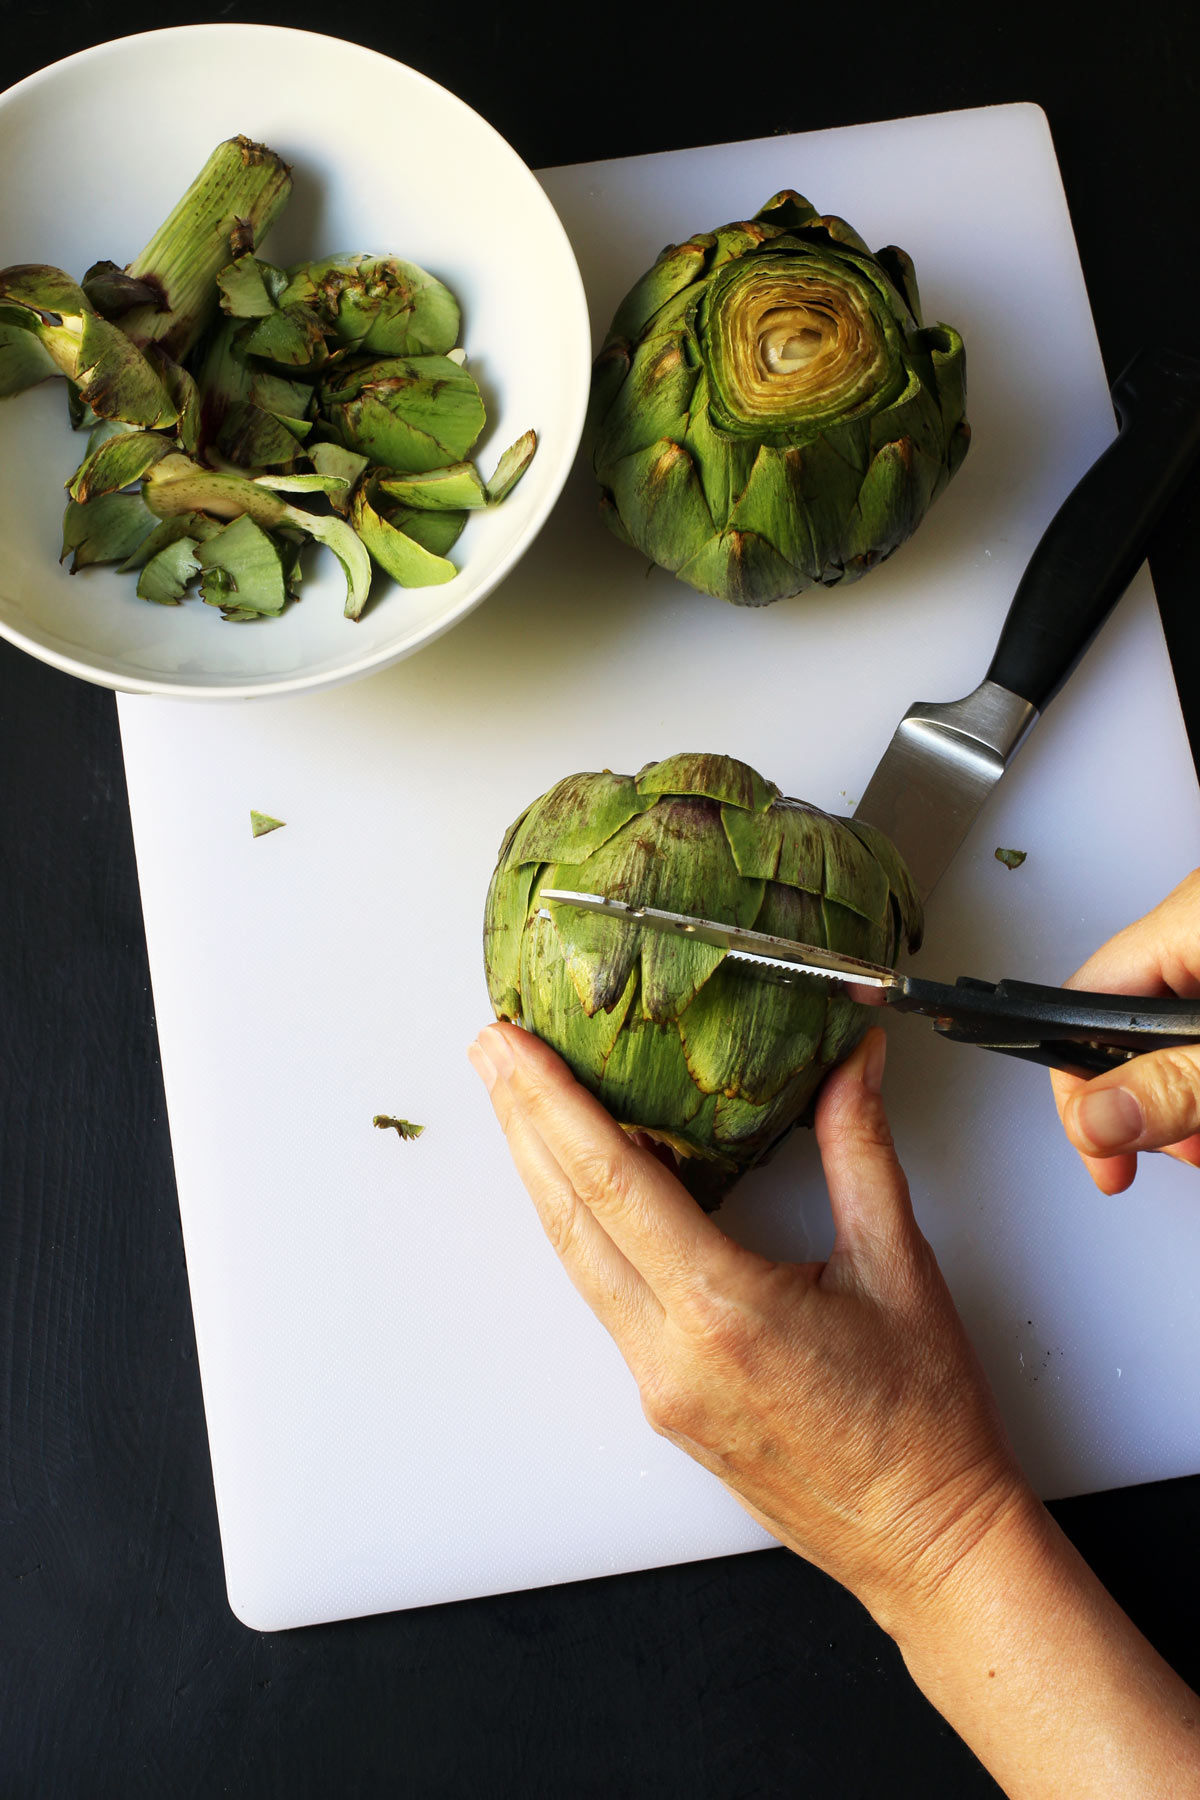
1063 1028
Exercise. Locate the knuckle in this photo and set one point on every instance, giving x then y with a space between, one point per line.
715 1319
562 1228
606 1177
671 1409
1170 1090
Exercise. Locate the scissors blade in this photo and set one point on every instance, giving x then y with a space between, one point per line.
784 954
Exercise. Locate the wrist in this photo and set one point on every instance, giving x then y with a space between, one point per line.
993 1535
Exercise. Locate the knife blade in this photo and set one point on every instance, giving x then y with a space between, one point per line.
945 758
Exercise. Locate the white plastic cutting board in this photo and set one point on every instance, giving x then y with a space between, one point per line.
407 1402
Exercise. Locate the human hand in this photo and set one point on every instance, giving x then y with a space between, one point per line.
840 1402
1153 1102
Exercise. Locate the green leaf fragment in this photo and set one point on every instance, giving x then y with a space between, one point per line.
404 1128
346 465
436 532
24 360
249 288
1012 859
261 823
512 465
167 574
399 556
167 531
241 568
457 487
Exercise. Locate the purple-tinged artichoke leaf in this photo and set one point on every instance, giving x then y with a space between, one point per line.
112 292
120 458
106 530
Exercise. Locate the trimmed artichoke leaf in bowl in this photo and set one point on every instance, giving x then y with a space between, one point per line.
768 413
677 1040
209 375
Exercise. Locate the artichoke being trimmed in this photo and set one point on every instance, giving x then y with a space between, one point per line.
705 1055
768 412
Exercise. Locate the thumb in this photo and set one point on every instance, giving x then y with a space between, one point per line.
868 1192
1152 1102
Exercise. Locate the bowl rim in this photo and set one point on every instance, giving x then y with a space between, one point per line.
380 658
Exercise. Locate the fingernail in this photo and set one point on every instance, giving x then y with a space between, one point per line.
873 1061
491 1056
1109 1118
482 1066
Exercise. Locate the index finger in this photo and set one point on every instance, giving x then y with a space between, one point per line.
1157 954
647 1213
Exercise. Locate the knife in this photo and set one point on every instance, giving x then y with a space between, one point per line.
945 758
1062 1028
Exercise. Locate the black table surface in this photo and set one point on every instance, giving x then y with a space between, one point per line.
122 1670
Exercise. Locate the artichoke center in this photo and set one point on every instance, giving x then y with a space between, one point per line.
782 348
794 345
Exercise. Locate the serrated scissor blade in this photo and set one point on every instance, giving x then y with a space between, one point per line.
782 956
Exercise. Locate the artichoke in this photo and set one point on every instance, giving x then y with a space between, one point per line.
701 1052
768 413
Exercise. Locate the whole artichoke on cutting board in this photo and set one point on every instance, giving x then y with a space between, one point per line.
768 412
674 1038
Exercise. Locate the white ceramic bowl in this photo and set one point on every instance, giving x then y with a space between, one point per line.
95 150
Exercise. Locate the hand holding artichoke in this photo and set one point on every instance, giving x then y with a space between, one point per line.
676 1040
768 413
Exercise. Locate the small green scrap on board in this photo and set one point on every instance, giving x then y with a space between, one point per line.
403 1127
261 823
1012 859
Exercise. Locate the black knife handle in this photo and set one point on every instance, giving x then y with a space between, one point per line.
1096 541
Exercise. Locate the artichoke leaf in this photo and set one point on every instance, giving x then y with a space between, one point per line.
410 414
120 458
740 566
456 487
504 921
167 531
746 1036
167 574
378 305
437 532
574 818
401 557
251 438
241 568
721 778
24 359
249 288
105 530
663 486
512 465
348 467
